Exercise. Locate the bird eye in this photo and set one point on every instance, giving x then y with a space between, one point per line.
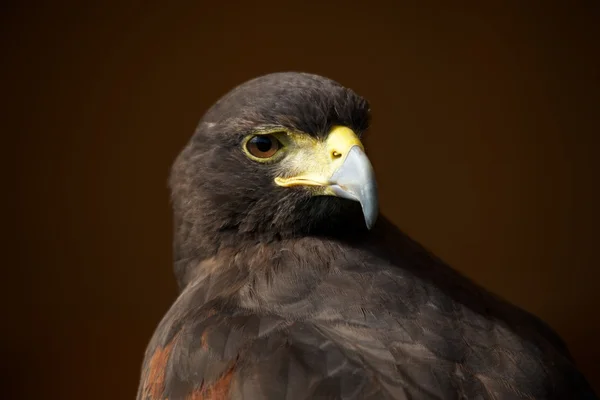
263 146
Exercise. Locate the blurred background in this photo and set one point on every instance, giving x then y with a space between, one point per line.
484 140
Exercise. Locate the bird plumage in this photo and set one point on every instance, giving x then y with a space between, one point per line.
285 295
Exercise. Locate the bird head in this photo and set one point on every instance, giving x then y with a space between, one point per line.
278 156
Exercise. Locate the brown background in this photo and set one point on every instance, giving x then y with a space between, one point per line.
484 140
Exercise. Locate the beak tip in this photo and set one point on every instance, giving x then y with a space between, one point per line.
369 224
370 213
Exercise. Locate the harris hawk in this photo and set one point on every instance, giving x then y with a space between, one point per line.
292 287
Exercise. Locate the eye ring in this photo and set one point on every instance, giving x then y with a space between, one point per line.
262 146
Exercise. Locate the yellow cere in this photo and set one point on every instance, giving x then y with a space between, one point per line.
310 161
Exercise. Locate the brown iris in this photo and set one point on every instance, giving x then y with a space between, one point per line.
263 146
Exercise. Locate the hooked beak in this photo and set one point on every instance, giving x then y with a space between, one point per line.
338 167
355 180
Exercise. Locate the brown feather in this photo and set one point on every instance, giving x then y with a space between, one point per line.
154 384
217 391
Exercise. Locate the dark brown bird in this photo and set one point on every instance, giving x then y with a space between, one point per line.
292 288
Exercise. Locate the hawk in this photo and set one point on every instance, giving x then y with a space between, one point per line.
292 287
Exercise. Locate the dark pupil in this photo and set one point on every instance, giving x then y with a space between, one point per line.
263 144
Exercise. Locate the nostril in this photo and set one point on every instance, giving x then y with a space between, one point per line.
335 154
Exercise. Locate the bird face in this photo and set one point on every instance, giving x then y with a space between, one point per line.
280 155
335 165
